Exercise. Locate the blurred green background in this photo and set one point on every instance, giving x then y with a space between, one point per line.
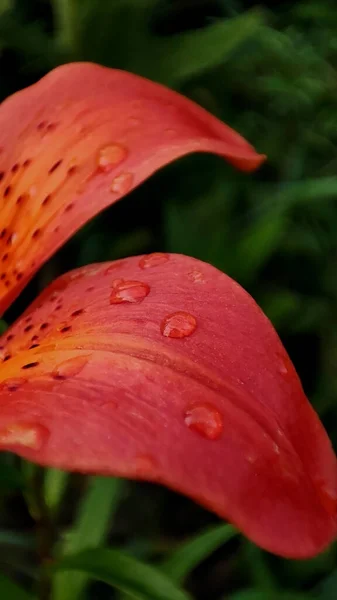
269 70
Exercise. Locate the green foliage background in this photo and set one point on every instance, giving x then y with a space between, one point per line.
269 70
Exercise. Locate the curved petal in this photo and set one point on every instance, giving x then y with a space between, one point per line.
162 368
79 140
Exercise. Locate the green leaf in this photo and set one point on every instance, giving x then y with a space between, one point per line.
187 55
259 595
89 531
124 573
3 326
11 591
190 554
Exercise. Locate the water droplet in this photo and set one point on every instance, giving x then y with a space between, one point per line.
178 325
134 121
205 419
328 498
12 384
128 291
252 458
170 132
71 367
29 435
111 156
32 191
145 465
153 260
12 238
122 183
113 266
196 277
276 448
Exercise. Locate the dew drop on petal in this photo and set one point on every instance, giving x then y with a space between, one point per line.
327 495
128 291
196 277
111 156
12 384
145 465
153 260
178 325
205 419
122 183
29 435
71 367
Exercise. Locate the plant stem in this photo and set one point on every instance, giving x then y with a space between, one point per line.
45 534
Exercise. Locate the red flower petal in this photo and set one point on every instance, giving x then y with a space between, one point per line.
79 140
186 384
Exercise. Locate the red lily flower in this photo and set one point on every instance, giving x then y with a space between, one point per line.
156 367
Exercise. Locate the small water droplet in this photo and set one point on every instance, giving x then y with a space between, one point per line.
153 260
252 458
196 277
122 183
205 419
276 448
29 435
32 191
178 325
145 465
12 384
128 291
12 238
111 156
71 367
134 121
115 265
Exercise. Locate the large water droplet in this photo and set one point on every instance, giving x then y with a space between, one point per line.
128 291
111 156
29 435
153 260
178 325
205 419
122 183
71 367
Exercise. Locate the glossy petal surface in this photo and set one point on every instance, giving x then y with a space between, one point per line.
77 141
183 381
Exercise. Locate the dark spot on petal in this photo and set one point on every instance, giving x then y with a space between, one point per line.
78 312
30 365
7 191
54 167
27 162
44 326
15 168
28 328
65 329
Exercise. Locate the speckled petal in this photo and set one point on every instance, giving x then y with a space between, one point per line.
162 368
